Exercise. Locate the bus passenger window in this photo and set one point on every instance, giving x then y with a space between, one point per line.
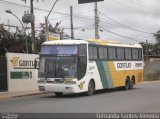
128 54
112 53
91 53
120 53
135 54
100 50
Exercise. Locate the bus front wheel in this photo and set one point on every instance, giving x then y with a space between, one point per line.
91 88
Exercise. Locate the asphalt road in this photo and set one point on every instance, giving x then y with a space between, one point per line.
143 98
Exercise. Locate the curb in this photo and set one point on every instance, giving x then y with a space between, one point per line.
8 96
5 97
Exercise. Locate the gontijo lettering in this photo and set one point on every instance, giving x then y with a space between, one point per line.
17 62
26 63
123 65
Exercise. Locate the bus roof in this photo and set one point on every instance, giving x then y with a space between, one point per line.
62 42
91 41
112 43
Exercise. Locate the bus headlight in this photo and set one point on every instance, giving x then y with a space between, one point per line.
70 82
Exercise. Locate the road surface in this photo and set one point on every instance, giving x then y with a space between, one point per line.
143 98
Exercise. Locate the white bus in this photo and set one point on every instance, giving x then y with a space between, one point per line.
74 66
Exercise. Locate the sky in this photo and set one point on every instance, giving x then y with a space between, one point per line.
126 21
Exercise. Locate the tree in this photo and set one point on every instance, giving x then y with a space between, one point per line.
13 42
157 37
157 45
150 48
40 39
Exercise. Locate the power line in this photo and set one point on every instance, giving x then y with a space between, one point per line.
36 8
145 6
125 25
75 14
83 12
120 3
122 31
121 25
83 17
127 37
60 17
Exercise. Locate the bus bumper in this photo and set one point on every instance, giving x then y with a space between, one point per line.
59 88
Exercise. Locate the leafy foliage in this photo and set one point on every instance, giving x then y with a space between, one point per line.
157 36
152 48
16 42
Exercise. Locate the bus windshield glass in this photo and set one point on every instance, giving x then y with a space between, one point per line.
65 61
58 67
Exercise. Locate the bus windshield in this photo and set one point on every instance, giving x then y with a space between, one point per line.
58 67
63 61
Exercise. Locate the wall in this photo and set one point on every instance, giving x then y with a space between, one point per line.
21 74
152 69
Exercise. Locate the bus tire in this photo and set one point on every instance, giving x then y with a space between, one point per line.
132 82
127 85
91 88
58 94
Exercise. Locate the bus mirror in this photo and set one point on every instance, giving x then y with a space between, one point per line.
36 64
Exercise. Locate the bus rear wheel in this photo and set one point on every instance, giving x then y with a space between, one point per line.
58 94
132 82
127 85
91 88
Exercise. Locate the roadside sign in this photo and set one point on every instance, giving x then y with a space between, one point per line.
53 36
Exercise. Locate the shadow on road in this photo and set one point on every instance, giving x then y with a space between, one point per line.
99 92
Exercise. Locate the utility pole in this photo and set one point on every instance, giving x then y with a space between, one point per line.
96 22
96 15
32 27
46 29
46 21
71 16
8 25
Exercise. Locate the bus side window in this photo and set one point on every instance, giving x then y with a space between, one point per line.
128 54
112 53
101 53
91 52
135 54
140 54
120 53
95 53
